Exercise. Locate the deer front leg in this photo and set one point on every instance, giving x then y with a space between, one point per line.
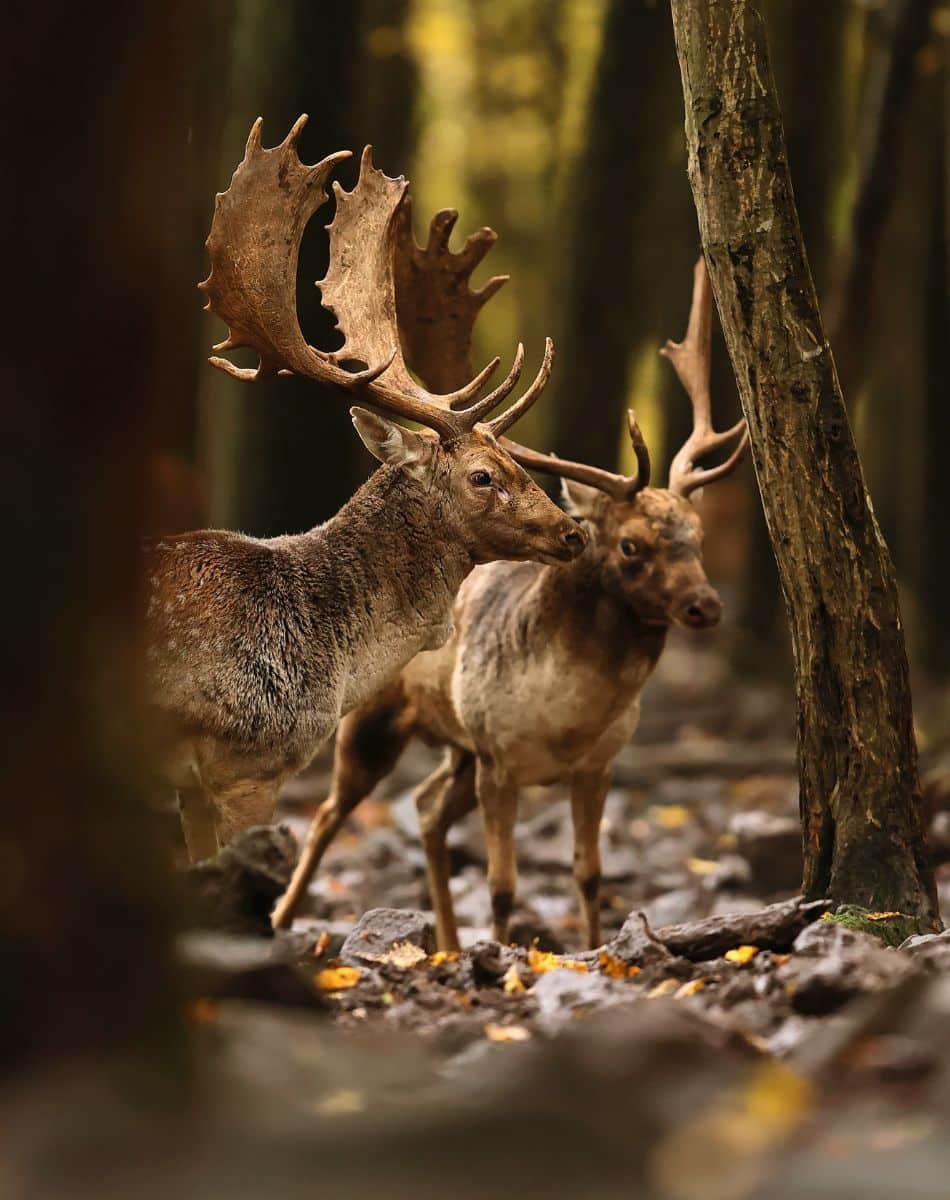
588 794
444 798
198 823
369 741
498 798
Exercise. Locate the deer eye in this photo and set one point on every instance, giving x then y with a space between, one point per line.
629 548
480 479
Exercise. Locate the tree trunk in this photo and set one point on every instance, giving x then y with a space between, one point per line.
896 34
93 364
860 802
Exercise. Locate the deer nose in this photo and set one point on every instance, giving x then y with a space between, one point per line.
575 540
702 610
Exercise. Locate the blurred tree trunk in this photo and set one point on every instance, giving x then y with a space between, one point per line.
896 31
97 369
282 453
626 195
934 586
860 802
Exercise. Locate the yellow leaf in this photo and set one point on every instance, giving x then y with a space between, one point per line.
512 981
544 960
881 916
506 1033
403 955
669 816
664 988
615 968
342 1103
702 866
337 979
689 989
443 956
741 954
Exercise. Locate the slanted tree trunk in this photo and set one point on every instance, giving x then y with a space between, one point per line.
860 803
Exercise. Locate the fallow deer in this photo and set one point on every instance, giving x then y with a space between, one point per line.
541 681
256 648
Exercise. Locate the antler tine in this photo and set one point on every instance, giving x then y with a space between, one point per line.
618 487
524 402
692 361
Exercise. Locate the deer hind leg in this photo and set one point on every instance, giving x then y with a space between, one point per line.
369 742
198 823
498 799
588 794
441 800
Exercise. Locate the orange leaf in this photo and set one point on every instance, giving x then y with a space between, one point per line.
506 1033
615 968
337 979
545 960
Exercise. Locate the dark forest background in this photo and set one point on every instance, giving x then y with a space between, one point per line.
559 122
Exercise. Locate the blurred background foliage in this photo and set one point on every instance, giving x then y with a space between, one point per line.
559 123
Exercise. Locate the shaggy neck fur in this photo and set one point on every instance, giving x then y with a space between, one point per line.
385 571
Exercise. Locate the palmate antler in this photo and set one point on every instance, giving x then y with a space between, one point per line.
692 361
254 246
437 311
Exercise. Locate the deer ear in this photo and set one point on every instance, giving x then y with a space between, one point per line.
391 443
579 499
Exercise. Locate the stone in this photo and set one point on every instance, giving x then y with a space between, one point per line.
378 930
772 846
236 890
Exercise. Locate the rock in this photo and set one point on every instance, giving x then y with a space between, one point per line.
831 964
772 846
672 907
223 965
236 889
527 928
563 995
931 949
636 944
378 930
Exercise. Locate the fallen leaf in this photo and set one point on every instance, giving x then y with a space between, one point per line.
615 967
741 954
702 866
881 916
664 988
545 960
342 1103
512 981
201 1011
443 956
689 989
387 998
506 1033
669 816
322 942
778 959
403 955
337 979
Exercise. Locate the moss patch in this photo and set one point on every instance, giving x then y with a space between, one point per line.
891 927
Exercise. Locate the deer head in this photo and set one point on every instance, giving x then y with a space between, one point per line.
647 542
490 503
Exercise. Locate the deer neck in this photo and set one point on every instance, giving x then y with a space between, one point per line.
385 571
581 613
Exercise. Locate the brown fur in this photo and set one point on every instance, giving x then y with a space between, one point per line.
541 682
256 648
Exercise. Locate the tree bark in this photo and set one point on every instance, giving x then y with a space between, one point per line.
860 802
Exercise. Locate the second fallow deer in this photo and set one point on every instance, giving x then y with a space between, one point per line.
256 648
541 681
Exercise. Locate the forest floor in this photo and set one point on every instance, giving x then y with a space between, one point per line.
726 1041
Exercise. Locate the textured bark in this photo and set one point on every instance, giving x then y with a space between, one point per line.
860 802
